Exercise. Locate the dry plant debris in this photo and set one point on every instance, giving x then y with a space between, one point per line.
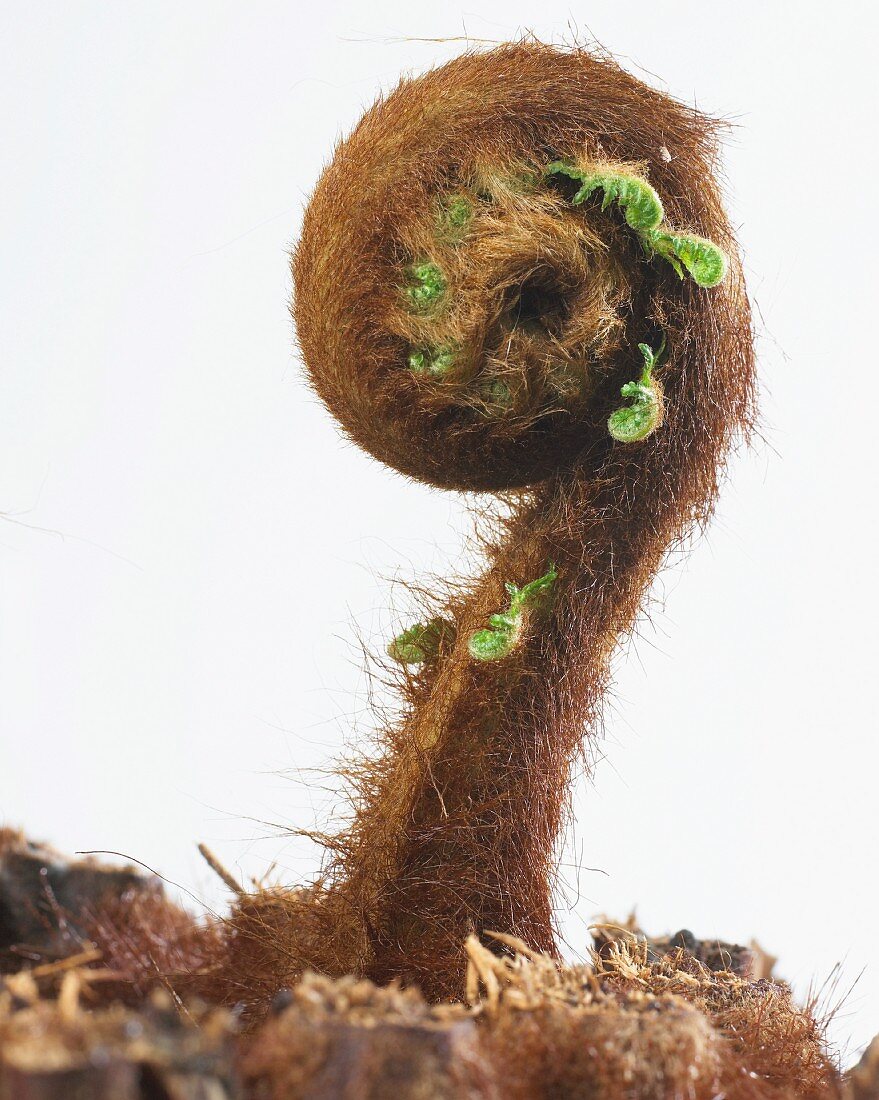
122 1010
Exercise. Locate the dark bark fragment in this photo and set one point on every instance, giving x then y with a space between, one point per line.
43 893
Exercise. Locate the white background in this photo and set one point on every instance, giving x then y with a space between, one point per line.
189 552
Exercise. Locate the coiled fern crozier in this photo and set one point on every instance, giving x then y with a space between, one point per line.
498 250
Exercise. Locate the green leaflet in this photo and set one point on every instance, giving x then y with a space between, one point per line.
421 642
432 361
427 286
454 216
504 632
490 645
496 395
700 258
703 260
636 421
635 197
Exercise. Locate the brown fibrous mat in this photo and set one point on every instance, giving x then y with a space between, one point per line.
123 995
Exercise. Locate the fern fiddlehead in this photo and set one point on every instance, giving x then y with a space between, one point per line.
470 321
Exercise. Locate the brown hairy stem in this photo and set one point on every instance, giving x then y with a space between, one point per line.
471 326
462 832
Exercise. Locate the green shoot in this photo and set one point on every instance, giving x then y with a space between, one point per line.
434 362
700 258
421 642
505 630
642 417
703 260
635 197
454 216
427 287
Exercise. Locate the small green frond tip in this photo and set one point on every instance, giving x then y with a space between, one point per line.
454 216
428 285
505 628
421 642
642 417
705 263
497 396
636 198
703 260
434 362
490 645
